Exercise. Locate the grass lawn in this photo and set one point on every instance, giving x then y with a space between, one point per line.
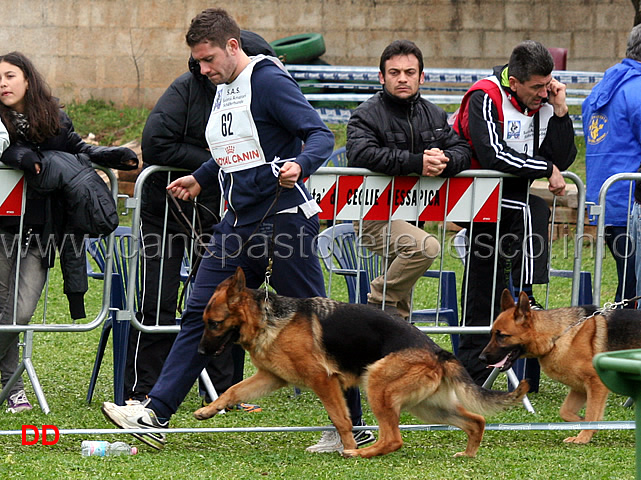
64 361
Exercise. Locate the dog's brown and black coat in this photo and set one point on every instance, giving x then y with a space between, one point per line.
329 346
565 340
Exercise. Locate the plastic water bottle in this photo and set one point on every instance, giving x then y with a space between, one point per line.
106 449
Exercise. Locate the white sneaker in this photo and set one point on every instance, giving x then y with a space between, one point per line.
330 441
136 415
18 402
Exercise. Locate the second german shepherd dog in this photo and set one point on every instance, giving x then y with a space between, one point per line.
564 340
329 346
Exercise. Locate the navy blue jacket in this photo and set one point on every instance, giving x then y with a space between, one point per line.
284 120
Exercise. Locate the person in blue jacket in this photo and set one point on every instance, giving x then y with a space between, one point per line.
258 123
612 130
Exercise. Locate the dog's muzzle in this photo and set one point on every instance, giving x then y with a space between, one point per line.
502 360
217 345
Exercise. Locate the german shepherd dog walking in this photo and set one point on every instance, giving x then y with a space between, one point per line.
564 340
329 346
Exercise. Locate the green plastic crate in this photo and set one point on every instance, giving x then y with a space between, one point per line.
620 371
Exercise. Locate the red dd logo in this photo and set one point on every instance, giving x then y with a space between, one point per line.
36 434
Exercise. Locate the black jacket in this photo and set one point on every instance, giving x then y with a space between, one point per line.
174 135
48 213
83 192
24 156
388 135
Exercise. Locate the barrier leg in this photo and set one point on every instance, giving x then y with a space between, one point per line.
513 380
102 344
31 372
120 345
490 380
209 386
27 365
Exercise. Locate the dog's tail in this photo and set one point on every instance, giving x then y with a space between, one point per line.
476 398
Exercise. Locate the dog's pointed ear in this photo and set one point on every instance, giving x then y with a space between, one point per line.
239 278
236 286
523 304
507 300
523 312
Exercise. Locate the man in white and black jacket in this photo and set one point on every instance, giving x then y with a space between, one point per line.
517 122
396 132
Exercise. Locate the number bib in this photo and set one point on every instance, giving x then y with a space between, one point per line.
231 132
518 129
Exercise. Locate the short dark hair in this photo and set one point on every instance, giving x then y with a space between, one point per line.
530 58
401 47
634 44
213 25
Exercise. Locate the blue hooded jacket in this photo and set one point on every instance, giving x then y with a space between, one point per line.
612 129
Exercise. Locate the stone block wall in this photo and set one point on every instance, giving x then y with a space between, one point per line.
128 51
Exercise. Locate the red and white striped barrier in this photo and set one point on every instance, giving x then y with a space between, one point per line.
11 192
356 197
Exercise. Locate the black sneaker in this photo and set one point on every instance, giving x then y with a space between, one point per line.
363 437
534 305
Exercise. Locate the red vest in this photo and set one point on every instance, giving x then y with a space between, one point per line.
461 116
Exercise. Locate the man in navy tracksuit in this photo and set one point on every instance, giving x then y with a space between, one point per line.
258 123
174 136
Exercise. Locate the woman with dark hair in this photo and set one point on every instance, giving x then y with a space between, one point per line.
45 146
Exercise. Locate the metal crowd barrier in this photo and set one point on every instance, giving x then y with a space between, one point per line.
26 364
76 326
338 73
351 194
599 211
135 205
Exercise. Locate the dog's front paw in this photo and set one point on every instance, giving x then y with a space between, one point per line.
464 454
578 440
350 453
205 412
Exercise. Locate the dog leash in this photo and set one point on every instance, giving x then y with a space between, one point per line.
607 306
604 311
270 249
194 235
